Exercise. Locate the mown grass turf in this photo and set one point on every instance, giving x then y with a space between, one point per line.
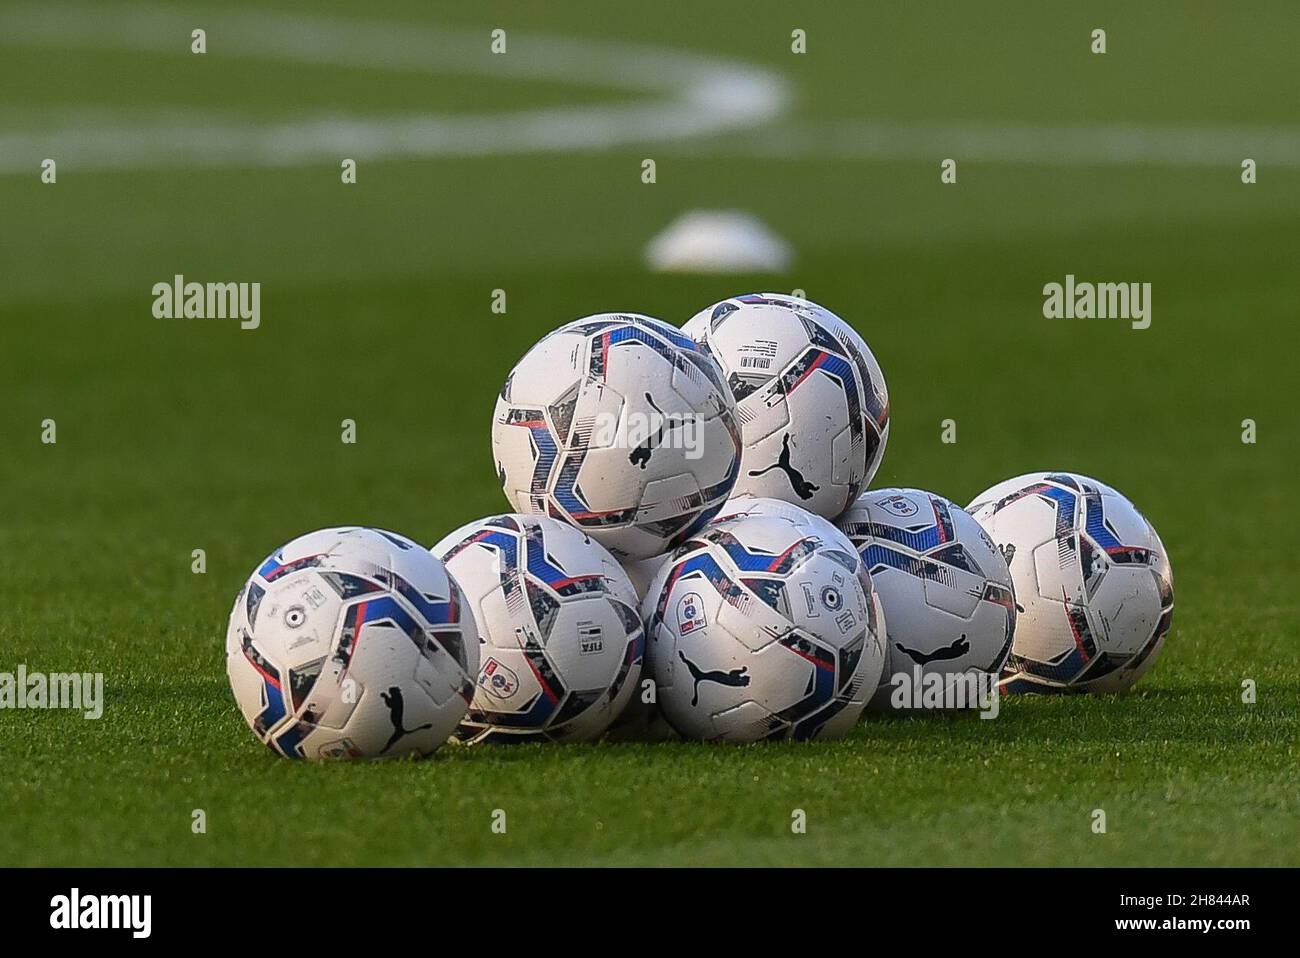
176 435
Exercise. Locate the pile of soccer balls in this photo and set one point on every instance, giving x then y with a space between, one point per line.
692 543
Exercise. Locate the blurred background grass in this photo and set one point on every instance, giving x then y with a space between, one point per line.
175 435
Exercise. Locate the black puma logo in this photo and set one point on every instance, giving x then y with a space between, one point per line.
641 454
736 678
393 699
802 487
955 651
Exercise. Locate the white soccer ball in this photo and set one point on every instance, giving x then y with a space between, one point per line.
824 529
642 721
761 629
621 426
351 643
810 398
946 592
1092 580
740 506
562 637
642 572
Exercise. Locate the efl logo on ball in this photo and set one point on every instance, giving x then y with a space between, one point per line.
690 614
498 679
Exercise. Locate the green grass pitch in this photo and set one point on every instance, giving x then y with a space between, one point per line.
177 435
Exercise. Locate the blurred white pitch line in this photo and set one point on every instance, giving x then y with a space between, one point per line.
678 94
995 141
685 101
